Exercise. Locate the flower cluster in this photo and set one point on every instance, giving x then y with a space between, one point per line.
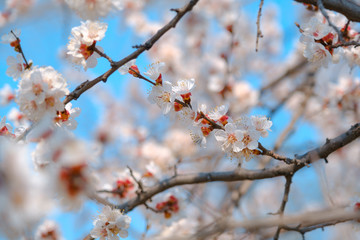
111 224
319 40
81 47
40 91
238 138
49 230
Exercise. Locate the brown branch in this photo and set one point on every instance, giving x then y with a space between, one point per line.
276 156
303 230
305 219
212 123
148 44
138 75
137 181
259 33
242 174
324 13
308 220
103 55
19 49
348 8
345 44
283 202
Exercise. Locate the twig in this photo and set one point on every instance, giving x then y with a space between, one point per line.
283 203
212 123
259 33
322 9
138 75
104 55
148 44
348 8
137 181
19 49
276 156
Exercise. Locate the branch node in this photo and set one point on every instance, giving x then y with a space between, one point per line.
175 10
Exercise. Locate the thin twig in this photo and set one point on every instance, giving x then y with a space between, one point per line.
20 50
137 181
104 55
276 156
324 13
259 33
283 202
138 75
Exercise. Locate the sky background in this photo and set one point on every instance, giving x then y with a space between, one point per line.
44 35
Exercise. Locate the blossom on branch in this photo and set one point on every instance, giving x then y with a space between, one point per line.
111 224
40 92
49 230
16 66
81 47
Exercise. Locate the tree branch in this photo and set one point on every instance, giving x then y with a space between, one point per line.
242 174
283 203
259 33
74 95
348 8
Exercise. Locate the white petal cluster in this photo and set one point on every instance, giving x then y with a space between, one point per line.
9 37
230 138
81 45
163 96
184 86
95 8
16 67
317 35
111 224
49 230
6 94
155 70
40 92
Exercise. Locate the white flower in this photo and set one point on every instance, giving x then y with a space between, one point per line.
219 114
82 44
261 124
95 8
251 135
163 96
6 95
40 92
17 118
124 69
316 28
184 86
110 224
66 118
70 173
152 174
316 53
16 66
49 230
155 70
10 38
5 128
230 138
